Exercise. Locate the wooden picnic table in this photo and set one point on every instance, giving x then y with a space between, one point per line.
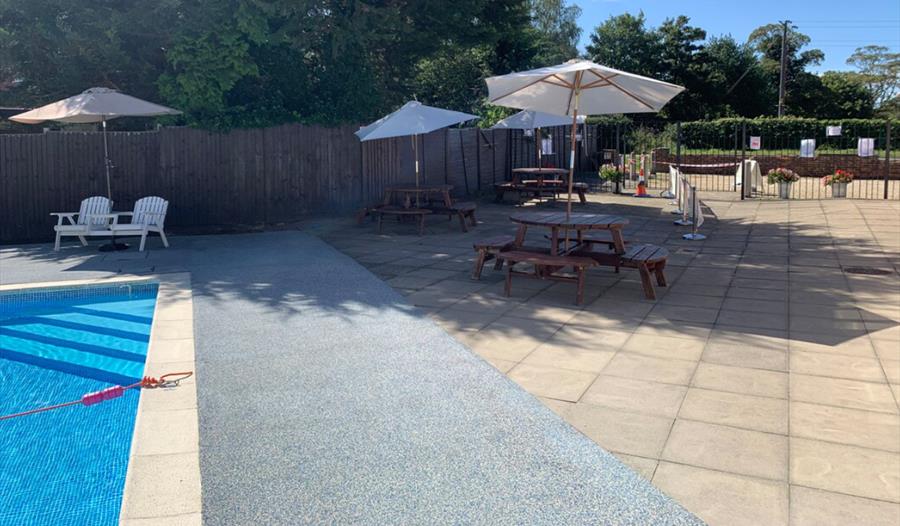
410 194
538 175
577 222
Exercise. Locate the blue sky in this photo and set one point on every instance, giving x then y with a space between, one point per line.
836 27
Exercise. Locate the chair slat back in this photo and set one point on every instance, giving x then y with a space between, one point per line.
93 206
146 208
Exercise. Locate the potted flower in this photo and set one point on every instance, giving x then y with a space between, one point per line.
783 178
838 182
609 174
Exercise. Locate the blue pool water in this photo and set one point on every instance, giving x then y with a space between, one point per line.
67 467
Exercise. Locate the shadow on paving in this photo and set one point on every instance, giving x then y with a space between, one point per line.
324 397
767 266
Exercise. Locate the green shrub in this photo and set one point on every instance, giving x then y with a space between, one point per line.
778 132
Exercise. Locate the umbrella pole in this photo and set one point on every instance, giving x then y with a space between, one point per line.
112 246
572 155
539 146
106 161
415 141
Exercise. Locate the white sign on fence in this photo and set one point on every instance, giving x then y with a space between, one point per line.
833 131
808 148
865 147
755 143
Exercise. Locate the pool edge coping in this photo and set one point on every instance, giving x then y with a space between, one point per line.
162 480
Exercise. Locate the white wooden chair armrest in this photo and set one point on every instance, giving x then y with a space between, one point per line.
67 215
114 217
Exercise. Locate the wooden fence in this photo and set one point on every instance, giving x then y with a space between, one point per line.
242 178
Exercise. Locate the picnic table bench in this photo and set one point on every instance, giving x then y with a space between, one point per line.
536 191
547 266
418 202
400 212
647 259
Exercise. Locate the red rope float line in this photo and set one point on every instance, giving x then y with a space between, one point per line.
147 382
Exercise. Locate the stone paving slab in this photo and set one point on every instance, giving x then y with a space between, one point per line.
761 387
325 397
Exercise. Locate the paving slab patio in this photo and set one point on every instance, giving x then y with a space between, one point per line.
761 387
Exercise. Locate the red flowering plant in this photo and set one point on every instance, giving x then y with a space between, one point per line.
839 176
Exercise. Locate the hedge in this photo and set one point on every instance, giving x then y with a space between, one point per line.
785 131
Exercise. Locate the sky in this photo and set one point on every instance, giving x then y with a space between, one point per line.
837 27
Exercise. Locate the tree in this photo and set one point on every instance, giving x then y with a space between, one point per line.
682 62
624 42
736 84
766 40
880 70
452 79
557 29
847 96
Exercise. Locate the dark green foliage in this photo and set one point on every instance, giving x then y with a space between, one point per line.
243 63
783 132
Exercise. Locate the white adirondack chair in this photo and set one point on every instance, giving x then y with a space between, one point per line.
92 220
149 215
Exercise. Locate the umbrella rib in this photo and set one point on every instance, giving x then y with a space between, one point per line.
623 90
495 99
563 81
569 86
596 84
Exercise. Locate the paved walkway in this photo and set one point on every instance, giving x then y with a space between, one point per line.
762 386
325 398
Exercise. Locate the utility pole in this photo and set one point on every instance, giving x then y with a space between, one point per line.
784 32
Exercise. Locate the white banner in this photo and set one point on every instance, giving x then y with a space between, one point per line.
833 131
673 182
696 212
865 147
685 200
808 148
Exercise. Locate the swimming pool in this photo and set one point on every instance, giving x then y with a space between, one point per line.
68 466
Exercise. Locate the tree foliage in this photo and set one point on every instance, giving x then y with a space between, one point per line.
879 69
234 63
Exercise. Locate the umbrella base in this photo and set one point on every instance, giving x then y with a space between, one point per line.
113 246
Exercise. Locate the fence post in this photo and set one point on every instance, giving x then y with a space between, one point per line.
678 145
619 177
477 159
744 185
887 157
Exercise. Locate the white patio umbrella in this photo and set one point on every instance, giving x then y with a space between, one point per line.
95 105
580 86
535 120
414 119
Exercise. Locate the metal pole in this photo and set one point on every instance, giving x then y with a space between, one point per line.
744 185
784 32
887 158
619 176
678 145
106 161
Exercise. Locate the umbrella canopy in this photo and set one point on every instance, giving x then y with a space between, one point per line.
93 105
529 120
579 86
413 118
602 90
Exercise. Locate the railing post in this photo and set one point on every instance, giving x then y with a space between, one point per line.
887 158
619 177
678 145
743 153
